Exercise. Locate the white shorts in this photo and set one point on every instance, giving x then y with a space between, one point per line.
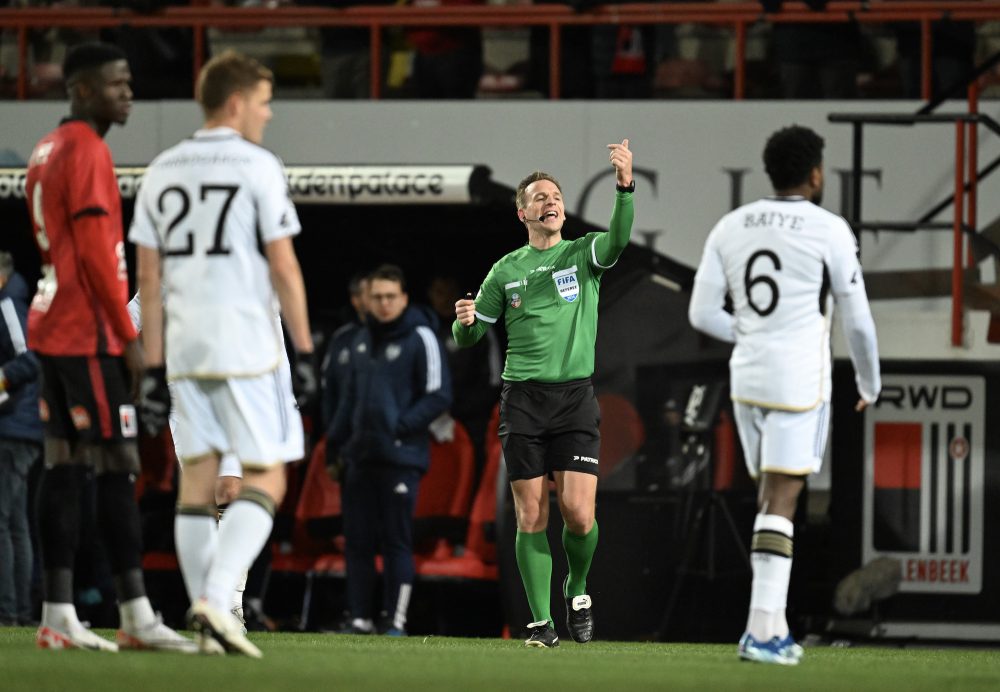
250 421
229 465
776 441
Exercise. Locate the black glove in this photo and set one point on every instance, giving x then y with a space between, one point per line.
305 384
154 400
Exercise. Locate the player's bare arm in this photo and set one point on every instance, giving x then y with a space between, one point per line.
148 275
286 275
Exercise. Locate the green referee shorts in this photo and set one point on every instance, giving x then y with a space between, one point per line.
546 427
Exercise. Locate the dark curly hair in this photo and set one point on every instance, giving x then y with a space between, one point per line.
89 56
790 154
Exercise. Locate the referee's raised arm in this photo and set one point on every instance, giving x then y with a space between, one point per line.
609 246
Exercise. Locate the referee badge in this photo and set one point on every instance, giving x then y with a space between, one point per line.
515 300
567 284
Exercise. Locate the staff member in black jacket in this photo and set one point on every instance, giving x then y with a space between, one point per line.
20 445
398 382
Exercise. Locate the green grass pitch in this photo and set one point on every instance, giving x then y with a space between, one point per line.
341 663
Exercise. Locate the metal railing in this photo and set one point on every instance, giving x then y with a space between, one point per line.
964 195
739 17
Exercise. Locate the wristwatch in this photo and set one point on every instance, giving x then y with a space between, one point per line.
629 188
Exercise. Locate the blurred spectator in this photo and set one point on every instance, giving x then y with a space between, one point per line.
695 60
336 362
603 61
953 45
20 445
818 60
447 62
46 51
346 64
575 80
161 58
623 57
398 383
475 371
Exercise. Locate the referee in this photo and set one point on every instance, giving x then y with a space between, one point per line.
547 294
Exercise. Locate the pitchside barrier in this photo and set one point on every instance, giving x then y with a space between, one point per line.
915 478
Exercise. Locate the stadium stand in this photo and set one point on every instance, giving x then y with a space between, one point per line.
442 511
478 560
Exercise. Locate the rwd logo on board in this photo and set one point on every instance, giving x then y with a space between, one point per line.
924 481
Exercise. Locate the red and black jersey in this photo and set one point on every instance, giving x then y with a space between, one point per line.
75 206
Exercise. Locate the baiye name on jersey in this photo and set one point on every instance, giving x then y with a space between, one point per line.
773 219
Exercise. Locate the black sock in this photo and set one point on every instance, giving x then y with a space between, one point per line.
58 508
121 529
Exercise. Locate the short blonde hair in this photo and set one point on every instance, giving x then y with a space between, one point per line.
226 74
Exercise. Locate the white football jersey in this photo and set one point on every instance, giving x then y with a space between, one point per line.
781 259
210 205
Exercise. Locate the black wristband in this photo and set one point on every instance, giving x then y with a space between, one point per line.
630 188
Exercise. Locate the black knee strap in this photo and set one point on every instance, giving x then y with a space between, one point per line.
258 497
197 511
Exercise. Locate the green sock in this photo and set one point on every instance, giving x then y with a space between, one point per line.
534 560
579 553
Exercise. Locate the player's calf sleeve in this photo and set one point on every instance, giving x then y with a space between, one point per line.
534 561
242 535
579 555
58 511
771 558
121 528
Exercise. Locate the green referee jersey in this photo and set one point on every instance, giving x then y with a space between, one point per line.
548 300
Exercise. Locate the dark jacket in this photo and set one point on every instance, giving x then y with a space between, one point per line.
336 367
398 383
18 414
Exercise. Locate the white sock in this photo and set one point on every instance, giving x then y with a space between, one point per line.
60 616
196 537
241 537
136 614
241 586
771 572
